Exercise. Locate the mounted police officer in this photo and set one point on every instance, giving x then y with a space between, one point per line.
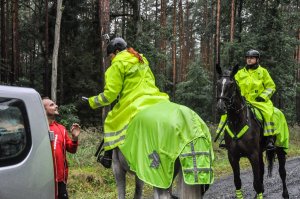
130 79
257 87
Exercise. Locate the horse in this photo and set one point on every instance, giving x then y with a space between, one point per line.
120 164
121 168
243 135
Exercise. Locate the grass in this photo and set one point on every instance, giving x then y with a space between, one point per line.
89 179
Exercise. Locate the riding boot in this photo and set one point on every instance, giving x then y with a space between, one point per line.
270 142
106 159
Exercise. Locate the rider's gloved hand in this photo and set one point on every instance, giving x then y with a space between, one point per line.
259 99
85 99
84 102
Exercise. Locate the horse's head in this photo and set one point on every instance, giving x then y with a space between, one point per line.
226 88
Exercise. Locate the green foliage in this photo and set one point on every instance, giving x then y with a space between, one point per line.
268 26
68 115
89 179
196 92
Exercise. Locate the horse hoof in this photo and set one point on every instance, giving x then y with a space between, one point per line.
285 196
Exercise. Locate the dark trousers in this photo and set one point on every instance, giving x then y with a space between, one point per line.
62 190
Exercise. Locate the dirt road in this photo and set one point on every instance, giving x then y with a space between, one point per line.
224 188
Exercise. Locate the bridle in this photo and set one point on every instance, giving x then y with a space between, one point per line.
229 101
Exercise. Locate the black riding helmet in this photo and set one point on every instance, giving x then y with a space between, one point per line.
252 53
116 44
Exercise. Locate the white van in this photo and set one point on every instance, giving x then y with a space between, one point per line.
26 161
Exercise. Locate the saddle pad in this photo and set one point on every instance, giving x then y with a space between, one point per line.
155 138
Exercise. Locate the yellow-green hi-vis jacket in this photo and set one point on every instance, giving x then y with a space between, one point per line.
133 83
255 83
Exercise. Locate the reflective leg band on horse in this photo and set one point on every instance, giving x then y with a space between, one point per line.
259 196
239 194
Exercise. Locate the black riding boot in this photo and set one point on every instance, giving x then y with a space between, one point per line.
106 159
270 140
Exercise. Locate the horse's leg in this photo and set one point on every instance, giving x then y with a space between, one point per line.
257 178
139 184
188 191
281 160
234 162
161 193
262 170
119 173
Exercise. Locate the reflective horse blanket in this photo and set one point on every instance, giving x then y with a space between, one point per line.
158 135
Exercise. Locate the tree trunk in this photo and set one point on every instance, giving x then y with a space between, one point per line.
298 96
188 36
217 45
123 19
217 53
232 21
204 48
163 42
104 7
3 63
174 50
156 42
232 26
15 70
182 74
297 53
240 25
46 65
59 11
137 18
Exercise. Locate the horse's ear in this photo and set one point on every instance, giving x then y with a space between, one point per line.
219 69
234 70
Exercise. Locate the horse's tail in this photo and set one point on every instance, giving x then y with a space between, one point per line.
270 158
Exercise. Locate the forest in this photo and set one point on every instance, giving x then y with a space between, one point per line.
59 47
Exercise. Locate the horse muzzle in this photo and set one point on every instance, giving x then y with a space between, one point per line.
221 106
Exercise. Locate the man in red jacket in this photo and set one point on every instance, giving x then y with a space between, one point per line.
61 144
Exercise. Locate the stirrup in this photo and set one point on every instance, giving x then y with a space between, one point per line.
270 147
105 161
222 146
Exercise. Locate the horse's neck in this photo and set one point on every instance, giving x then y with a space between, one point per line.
239 113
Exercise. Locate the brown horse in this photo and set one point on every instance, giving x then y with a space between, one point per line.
243 135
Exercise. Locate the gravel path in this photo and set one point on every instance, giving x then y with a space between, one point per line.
224 188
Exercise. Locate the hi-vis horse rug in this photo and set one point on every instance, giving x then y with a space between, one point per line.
160 134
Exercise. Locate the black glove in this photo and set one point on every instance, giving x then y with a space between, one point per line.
84 102
85 99
259 99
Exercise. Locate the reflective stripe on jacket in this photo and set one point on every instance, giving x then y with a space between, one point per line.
133 83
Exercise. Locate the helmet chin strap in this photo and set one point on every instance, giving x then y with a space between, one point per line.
252 66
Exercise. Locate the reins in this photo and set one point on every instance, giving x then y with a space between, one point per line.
229 102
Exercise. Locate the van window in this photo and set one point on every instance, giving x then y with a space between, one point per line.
15 139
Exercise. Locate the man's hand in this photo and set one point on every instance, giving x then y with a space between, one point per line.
75 130
259 99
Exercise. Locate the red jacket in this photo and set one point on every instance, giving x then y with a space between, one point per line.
61 143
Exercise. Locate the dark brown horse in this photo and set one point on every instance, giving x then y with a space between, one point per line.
243 135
